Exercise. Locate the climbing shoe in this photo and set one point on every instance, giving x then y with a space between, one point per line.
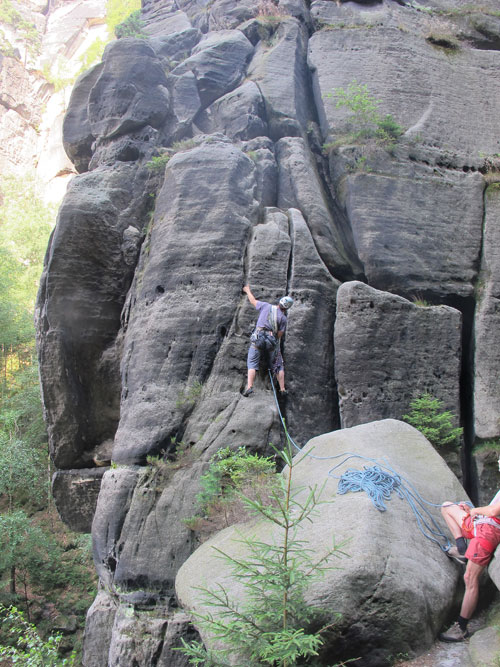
248 392
454 634
455 555
283 393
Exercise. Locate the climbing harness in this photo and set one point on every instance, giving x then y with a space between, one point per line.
379 481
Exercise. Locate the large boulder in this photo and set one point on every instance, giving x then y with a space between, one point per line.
240 114
403 349
130 92
218 62
389 600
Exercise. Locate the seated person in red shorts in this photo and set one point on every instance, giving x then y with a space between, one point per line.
480 525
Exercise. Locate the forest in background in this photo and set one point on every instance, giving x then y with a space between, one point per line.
47 578
46 570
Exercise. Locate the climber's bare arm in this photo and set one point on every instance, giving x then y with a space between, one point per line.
250 296
488 510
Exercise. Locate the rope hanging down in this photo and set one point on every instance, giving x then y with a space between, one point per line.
379 482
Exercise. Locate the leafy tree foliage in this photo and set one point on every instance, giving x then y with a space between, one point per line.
25 225
29 648
34 565
118 10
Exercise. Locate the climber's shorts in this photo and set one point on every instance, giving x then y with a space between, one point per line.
253 357
482 545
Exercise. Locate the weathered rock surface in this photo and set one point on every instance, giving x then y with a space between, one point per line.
310 335
487 336
75 493
416 246
374 594
279 69
300 187
126 98
419 88
79 306
78 137
484 647
405 351
178 306
218 62
239 114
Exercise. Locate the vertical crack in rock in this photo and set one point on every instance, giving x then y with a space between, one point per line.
485 362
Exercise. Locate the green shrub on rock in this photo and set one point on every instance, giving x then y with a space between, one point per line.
229 471
365 122
427 415
132 26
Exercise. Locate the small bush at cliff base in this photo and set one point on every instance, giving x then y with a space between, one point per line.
427 415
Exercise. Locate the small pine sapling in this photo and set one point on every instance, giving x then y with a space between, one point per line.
273 625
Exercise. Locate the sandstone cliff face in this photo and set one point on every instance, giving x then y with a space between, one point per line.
142 326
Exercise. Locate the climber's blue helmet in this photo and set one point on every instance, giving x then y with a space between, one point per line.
286 302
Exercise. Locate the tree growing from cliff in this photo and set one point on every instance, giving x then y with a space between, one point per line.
274 625
365 121
427 415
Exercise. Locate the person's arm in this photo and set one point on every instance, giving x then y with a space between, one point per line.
250 296
489 510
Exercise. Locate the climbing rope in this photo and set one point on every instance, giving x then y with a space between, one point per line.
379 482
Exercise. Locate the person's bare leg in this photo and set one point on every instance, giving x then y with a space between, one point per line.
453 515
471 578
281 379
251 377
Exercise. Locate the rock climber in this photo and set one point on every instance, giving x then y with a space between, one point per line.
270 328
480 525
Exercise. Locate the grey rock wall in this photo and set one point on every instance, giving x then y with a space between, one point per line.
142 326
405 350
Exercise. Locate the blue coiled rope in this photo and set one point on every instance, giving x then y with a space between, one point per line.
379 481
374 481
